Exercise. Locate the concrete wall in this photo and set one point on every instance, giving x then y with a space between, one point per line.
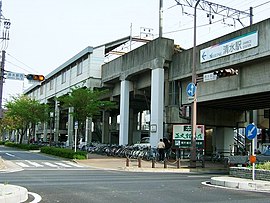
253 68
138 60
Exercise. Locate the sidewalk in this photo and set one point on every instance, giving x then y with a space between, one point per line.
113 163
11 193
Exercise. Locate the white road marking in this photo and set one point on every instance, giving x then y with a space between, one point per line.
22 164
74 164
62 164
49 164
34 163
12 155
37 197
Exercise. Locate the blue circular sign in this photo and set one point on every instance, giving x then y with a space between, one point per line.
251 131
191 89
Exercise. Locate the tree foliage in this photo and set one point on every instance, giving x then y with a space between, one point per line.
86 102
25 113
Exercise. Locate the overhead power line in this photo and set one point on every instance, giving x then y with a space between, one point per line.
214 8
29 68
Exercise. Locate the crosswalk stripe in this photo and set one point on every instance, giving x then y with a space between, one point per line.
74 164
62 164
22 164
34 163
49 164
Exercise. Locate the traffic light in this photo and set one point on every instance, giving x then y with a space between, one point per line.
35 77
226 72
184 111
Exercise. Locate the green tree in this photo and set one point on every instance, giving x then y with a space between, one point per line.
86 103
26 113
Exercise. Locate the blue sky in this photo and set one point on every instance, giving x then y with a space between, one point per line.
46 33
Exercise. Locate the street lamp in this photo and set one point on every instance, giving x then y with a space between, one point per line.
51 119
194 104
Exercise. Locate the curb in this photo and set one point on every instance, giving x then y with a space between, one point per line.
13 193
240 183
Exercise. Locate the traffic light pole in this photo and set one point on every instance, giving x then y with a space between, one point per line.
194 104
2 81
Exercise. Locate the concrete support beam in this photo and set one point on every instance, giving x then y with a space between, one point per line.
124 112
70 127
105 127
157 105
56 121
88 130
45 130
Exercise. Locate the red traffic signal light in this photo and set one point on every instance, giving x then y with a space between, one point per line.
35 77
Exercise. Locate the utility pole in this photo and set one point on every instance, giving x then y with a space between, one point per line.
212 8
160 17
2 67
2 81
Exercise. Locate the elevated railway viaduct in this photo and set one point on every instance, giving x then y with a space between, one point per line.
154 77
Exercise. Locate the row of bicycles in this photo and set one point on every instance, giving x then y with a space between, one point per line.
133 152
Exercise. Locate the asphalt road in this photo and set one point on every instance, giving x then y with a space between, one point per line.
88 185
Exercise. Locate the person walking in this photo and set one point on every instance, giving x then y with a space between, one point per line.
161 147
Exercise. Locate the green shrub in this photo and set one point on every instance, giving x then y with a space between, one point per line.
63 152
2 142
265 166
22 146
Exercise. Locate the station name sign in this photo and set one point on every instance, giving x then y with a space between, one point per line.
182 136
228 47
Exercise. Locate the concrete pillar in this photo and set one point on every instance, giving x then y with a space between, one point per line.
255 121
56 121
105 127
131 126
124 113
224 139
70 127
88 130
157 106
45 130
114 128
228 140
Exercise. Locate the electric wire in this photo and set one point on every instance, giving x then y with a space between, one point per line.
29 68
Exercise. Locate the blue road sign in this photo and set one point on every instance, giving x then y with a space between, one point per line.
251 131
191 89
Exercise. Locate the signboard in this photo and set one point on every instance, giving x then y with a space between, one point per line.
191 89
76 125
231 46
251 131
15 76
209 77
182 136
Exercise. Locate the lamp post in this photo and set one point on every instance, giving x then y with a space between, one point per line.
194 104
51 119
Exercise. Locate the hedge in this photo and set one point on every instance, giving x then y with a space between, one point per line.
64 152
22 146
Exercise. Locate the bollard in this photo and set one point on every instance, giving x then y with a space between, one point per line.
165 163
153 163
127 162
139 162
178 163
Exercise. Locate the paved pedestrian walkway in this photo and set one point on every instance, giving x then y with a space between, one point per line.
113 163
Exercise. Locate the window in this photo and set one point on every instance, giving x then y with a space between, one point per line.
174 93
64 76
41 90
79 68
51 84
